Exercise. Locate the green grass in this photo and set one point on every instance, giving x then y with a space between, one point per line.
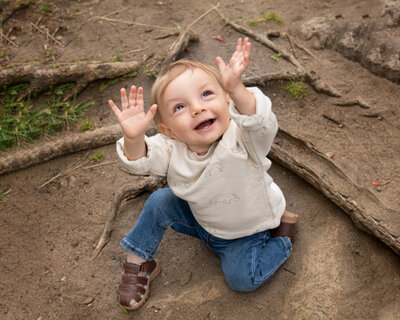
4 194
297 89
22 121
105 85
268 16
149 72
87 125
97 157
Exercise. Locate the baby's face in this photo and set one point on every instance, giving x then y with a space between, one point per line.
195 110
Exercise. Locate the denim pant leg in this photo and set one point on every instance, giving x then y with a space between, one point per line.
250 261
162 210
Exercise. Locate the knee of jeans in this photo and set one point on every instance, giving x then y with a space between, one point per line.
160 197
241 283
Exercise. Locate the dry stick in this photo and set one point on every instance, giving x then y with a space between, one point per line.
101 164
330 118
292 47
71 168
5 37
306 51
129 23
47 34
128 191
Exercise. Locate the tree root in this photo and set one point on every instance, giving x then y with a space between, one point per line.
69 144
127 192
311 77
82 75
365 209
179 46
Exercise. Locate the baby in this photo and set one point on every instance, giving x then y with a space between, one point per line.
215 135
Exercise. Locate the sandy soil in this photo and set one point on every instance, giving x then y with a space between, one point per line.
47 234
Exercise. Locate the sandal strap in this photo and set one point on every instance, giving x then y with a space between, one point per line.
133 268
127 292
134 279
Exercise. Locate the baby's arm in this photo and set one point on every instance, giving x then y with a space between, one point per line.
133 121
231 75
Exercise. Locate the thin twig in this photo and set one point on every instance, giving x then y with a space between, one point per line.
71 168
133 23
202 16
333 120
100 164
5 37
47 34
306 51
292 47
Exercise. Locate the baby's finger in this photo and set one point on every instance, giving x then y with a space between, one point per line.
114 108
220 64
239 45
139 98
151 113
132 96
124 99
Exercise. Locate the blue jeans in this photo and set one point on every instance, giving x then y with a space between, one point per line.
247 262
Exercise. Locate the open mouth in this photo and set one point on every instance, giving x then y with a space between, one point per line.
205 124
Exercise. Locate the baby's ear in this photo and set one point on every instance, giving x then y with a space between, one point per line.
164 129
228 99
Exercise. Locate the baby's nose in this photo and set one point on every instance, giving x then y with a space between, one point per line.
197 109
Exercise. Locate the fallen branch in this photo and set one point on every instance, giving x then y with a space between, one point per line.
82 75
127 192
71 143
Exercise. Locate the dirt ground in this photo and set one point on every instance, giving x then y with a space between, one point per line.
47 235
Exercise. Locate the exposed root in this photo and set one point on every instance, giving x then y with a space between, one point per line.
127 192
311 77
82 75
179 46
365 209
69 144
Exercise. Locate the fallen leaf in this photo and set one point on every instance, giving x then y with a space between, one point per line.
375 183
88 300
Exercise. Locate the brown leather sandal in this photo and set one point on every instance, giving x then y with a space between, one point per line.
135 283
286 228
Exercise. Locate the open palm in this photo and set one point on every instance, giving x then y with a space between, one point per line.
132 118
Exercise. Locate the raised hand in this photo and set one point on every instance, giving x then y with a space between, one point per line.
132 118
231 74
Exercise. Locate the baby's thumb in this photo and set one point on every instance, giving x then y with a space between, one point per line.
220 64
151 113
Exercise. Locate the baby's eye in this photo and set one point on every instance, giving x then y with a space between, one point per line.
178 107
207 93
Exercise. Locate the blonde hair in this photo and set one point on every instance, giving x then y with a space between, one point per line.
171 72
